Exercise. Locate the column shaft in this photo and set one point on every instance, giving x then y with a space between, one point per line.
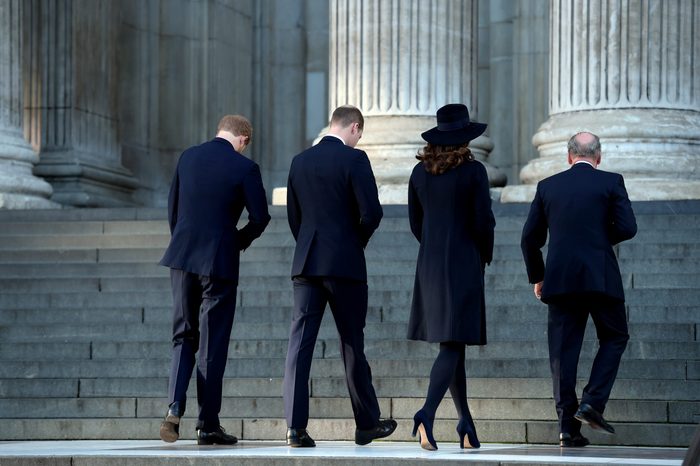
19 188
399 61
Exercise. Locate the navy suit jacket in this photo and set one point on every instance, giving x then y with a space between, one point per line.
586 211
211 186
333 209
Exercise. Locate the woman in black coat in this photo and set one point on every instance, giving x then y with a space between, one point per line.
450 213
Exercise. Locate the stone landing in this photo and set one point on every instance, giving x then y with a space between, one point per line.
156 453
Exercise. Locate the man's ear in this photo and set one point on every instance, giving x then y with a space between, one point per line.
570 159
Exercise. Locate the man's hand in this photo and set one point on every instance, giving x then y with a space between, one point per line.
538 290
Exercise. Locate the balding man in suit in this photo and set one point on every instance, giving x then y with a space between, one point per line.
586 211
333 209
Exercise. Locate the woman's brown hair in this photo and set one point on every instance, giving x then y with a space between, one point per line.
438 159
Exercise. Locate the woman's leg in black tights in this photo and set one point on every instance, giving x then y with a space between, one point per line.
442 374
458 387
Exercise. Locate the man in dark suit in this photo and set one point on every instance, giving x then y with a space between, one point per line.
586 211
213 182
333 209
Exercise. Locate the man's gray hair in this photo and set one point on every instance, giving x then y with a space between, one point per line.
591 150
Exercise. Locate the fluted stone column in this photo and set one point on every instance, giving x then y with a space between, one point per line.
19 188
71 100
626 71
399 62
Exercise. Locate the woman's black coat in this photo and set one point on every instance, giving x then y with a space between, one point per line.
451 217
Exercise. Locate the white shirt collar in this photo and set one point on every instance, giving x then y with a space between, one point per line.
336 136
585 161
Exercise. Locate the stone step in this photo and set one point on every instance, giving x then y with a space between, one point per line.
49 241
326 408
542 432
391 298
147 332
681 394
494 281
535 312
274 367
329 348
279 224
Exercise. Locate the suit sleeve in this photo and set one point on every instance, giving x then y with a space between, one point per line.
173 198
533 239
293 208
364 188
256 205
623 224
484 220
415 211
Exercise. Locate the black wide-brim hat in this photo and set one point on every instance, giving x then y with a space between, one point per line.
454 127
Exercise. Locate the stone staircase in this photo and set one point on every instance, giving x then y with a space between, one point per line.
85 330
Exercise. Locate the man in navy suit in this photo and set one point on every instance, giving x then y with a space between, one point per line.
213 182
333 209
586 211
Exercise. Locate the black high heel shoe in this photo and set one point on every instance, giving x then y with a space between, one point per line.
466 428
424 426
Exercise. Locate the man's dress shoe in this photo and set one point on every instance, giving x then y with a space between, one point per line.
384 429
170 427
593 418
216 437
568 441
299 438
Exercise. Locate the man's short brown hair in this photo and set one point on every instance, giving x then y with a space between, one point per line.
236 125
347 115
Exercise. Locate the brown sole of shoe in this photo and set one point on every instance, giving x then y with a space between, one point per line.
424 443
168 429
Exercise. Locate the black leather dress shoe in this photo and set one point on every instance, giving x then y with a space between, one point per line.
299 438
384 429
593 418
217 437
569 441
170 427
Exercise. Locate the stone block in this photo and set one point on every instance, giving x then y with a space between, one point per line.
667 435
58 228
47 256
141 227
119 385
640 349
693 369
41 316
666 280
662 314
44 351
667 251
117 255
655 389
682 412
84 408
38 388
23 301
48 285
666 297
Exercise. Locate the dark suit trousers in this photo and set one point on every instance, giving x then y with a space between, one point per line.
566 328
203 310
348 303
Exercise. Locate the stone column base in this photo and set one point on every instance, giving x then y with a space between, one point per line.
19 188
82 184
656 150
